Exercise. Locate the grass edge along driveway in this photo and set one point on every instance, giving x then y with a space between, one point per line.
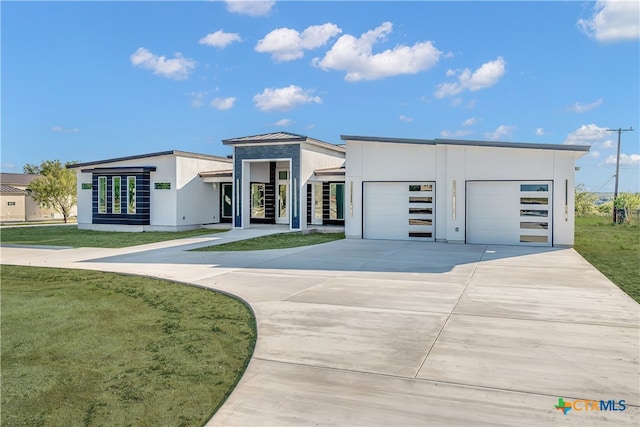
70 235
91 348
276 241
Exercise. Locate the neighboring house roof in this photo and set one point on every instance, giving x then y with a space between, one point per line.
22 179
7 189
149 155
472 143
215 174
281 137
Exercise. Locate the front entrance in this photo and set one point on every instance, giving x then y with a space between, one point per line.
282 196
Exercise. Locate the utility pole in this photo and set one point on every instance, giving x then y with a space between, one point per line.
615 191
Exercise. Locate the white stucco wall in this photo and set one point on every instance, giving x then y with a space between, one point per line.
84 198
312 158
198 202
448 163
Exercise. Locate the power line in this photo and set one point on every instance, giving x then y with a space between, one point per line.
615 192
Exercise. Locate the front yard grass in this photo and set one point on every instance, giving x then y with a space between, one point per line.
276 241
612 249
91 348
69 235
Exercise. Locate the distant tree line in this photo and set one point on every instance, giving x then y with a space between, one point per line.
628 204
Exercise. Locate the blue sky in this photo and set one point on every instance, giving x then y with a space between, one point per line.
87 81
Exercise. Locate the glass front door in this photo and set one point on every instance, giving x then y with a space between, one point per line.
227 194
316 214
282 197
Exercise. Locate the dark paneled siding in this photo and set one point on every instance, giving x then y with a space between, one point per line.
143 201
266 152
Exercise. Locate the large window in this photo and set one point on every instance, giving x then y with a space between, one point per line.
116 194
102 194
131 194
336 201
257 201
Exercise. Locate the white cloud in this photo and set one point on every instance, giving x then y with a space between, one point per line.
455 134
223 103
284 99
355 57
197 98
594 154
539 131
471 121
581 108
220 39
586 135
628 160
286 44
613 21
406 119
487 75
609 143
502 131
283 122
250 7
177 68
64 130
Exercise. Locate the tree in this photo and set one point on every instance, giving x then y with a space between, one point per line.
55 188
585 201
628 203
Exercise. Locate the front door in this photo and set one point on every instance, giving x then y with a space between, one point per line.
282 196
316 214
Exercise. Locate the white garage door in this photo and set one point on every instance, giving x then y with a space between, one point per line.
399 210
509 212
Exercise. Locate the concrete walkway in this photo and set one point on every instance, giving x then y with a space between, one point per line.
369 333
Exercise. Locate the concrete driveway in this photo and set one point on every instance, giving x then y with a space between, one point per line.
368 333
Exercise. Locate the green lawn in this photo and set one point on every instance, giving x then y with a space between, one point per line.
612 249
276 241
91 348
69 235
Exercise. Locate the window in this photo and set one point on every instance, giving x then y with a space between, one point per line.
257 200
534 225
336 201
534 200
532 212
283 175
420 199
115 195
427 211
533 239
87 186
534 187
227 193
420 187
11 203
414 221
131 194
162 186
102 194
317 202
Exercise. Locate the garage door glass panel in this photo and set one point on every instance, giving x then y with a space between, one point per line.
421 187
533 239
531 212
420 199
534 201
534 187
534 225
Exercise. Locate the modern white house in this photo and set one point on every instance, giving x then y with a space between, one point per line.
375 187
151 192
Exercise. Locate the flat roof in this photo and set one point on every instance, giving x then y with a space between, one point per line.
472 143
145 156
281 137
